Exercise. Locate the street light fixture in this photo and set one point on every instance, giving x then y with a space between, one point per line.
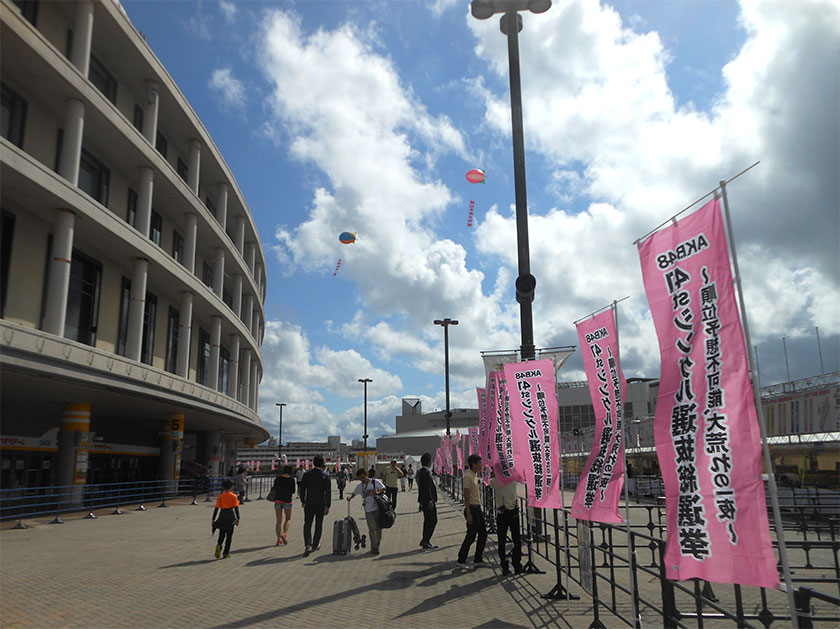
525 282
365 382
445 323
280 405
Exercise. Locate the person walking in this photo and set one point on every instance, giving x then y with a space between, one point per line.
410 475
472 511
366 488
507 518
427 498
341 482
315 497
241 483
284 491
391 476
403 479
227 510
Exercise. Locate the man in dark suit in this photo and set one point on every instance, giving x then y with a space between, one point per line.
427 497
315 497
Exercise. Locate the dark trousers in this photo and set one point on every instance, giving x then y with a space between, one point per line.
476 529
429 522
226 537
311 512
509 519
392 492
341 491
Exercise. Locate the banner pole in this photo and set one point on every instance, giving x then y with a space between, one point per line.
637 621
768 461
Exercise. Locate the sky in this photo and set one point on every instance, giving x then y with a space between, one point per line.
365 116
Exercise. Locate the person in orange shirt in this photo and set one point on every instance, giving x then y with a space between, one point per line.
228 504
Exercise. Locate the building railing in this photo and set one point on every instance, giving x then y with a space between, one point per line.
623 573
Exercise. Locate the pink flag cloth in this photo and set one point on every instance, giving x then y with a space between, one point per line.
258 465
272 465
474 449
706 428
533 419
459 454
484 440
599 488
297 463
503 457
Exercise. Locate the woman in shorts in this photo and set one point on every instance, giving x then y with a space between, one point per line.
284 491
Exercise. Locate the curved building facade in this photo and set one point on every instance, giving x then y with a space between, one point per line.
133 278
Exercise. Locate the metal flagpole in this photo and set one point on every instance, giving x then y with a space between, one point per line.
637 621
819 349
768 462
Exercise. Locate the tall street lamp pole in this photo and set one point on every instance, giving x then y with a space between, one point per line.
511 24
445 323
280 405
365 382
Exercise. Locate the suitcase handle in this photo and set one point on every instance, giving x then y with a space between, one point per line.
348 508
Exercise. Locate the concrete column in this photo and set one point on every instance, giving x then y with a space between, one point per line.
233 369
221 204
245 387
237 294
215 345
239 235
71 141
189 242
259 279
55 311
248 311
171 439
252 394
194 165
82 35
73 435
144 200
250 256
136 309
214 452
150 112
255 323
182 365
219 272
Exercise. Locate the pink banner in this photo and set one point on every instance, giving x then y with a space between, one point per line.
297 463
474 447
706 428
533 418
504 463
599 488
484 441
272 465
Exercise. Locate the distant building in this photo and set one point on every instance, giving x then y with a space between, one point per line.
418 432
331 450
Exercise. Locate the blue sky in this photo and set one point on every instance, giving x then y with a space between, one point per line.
365 116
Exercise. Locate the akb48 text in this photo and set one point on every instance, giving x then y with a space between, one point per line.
682 251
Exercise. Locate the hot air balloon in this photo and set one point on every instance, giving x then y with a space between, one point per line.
476 175
347 238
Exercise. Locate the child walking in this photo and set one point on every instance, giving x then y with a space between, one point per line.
228 518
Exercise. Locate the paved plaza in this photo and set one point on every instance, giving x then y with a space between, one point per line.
156 568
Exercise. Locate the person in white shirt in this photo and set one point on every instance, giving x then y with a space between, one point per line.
367 488
507 518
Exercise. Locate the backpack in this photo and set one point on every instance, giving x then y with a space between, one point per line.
387 515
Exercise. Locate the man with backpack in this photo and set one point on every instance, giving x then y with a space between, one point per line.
368 489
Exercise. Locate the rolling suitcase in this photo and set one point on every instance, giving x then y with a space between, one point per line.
345 534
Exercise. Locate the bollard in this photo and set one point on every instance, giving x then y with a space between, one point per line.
57 519
141 508
116 510
89 516
194 501
20 525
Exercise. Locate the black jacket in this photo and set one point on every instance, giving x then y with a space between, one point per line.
426 490
315 488
284 488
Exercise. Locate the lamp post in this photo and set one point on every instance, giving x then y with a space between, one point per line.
280 405
365 381
511 24
445 323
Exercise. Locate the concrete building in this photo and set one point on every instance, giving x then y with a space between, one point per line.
133 278
418 432
331 450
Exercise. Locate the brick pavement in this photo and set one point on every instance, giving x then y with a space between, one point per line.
156 569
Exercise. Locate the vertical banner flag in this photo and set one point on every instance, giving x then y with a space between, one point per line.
706 427
485 442
458 450
599 488
533 419
474 448
272 465
503 459
297 463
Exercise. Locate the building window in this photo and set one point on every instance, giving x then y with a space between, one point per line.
122 327
203 357
83 299
177 247
227 297
210 205
173 321
160 144
7 233
28 9
224 370
138 118
131 208
155 228
147 351
182 169
13 115
207 275
94 178
102 80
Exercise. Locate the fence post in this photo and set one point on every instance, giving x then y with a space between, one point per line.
116 510
260 484
670 614
57 519
163 504
20 525
558 591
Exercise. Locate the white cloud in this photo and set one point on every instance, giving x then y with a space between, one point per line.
228 10
228 87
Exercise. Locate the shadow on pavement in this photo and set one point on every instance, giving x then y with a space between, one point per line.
187 564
